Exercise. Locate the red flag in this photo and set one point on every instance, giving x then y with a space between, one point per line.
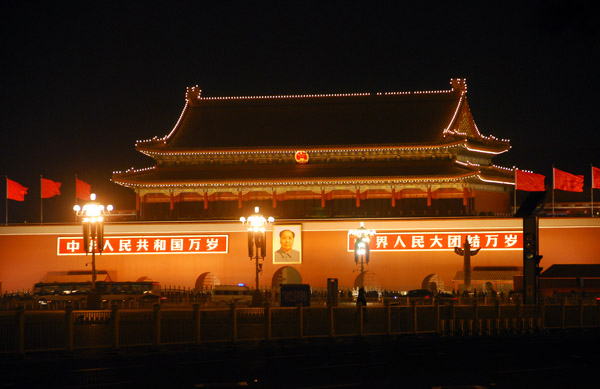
531 182
83 190
567 181
595 177
15 191
50 188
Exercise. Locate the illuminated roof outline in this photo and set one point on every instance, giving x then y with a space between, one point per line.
266 123
214 136
408 172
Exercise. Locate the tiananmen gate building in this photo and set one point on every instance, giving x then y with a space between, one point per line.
412 165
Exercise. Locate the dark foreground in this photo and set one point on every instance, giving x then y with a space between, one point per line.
557 360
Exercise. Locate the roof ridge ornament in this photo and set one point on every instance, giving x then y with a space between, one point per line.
193 93
459 84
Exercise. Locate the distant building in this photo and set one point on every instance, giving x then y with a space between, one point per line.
564 278
395 154
485 278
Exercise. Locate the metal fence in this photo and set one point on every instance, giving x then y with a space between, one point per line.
24 331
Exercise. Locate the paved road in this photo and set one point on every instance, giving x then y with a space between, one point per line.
565 360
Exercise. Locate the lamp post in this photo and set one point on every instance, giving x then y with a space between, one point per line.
92 214
257 241
362 236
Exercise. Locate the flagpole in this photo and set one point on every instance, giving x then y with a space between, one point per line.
75 195
41 202
6 201
592 190
553 185
515 195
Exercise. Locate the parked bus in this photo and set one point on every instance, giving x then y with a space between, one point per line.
227 294
46 292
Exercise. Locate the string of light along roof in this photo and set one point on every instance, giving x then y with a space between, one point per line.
525 171
284 96
495 181
358 94
486 137
319 95
133 170
164 138
479 132
503 168
479 165
447 129
489 137
467 163
291 151
483 151
433 91
387 180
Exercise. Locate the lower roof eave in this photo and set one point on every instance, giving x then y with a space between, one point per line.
317 184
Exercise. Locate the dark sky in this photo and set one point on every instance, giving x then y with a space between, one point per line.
81 82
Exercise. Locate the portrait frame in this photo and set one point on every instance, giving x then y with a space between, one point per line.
294 257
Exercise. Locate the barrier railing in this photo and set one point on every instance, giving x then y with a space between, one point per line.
24 331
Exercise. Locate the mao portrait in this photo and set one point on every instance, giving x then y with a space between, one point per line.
287 244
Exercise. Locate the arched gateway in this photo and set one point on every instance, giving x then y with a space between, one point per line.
370 281
206 281
286 275
433 282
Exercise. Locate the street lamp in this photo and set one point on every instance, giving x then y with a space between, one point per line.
362 236
93 214
257 241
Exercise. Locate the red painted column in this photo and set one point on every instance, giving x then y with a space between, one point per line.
429 196
358 198
322 198
274 199
171 205
205 200
471 199
393 197
142 202
240 199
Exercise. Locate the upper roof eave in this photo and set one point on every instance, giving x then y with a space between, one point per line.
158 148
163 177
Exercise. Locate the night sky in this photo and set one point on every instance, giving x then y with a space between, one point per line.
81 82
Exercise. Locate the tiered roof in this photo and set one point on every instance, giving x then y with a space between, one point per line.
385 137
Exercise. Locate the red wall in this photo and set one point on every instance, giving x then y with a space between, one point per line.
497 202
27 253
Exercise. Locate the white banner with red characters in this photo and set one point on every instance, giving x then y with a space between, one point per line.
436 241
184 244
